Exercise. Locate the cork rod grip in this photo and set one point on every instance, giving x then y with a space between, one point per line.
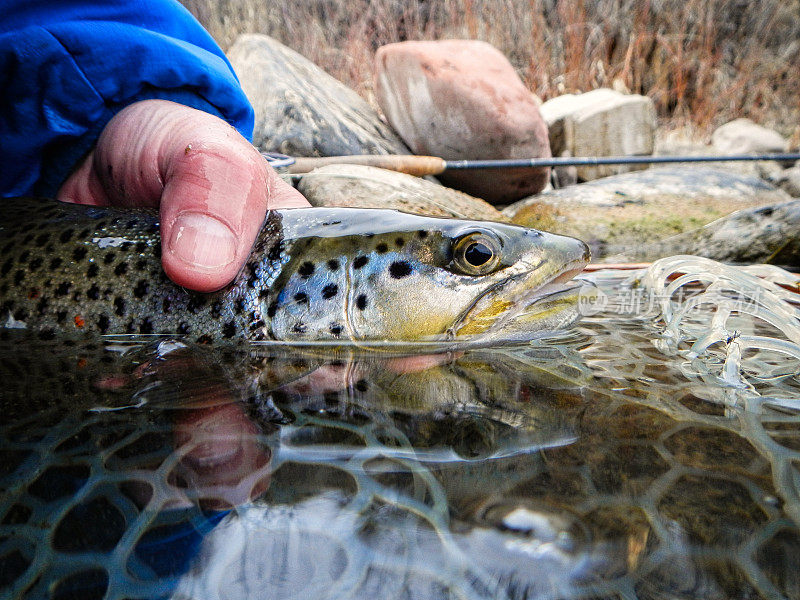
403 163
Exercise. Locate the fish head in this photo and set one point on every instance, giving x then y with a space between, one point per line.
372 274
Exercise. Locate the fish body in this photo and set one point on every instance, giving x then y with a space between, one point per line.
313 274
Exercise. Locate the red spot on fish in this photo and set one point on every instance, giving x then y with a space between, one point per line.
33 294
79 322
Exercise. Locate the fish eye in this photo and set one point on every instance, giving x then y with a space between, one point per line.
476 253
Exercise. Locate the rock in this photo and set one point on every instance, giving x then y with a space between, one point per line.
602 122
300 109
462 99
369 187
629 213
788 180
767 234
742 136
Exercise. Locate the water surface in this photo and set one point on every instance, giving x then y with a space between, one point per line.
652 451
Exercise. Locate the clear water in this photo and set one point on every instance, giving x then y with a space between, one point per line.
652 451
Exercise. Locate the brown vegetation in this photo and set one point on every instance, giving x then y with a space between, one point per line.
703 62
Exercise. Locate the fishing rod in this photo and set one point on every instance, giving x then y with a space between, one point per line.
433 165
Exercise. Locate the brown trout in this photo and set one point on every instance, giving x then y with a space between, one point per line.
314 274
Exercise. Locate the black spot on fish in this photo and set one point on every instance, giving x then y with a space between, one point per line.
6 266
382 248
306 270
47 334
257 325
79 254
130 327
275 252
66 236
196 302
141 289
92 271
399 269
93 293
229 329
20 314
335 329
301 298
362 385
41 307
272 309
299 327
23 258
121 269
183 328
330 290
35 263
422 234
360 261
141 246
27 239
399 242
146 326
103 323
157 249
119 306
42 239
62 289
361 302
216 309
238 306
141 264
166 305
7 248
55 263
109 257
333 264
61 315
204 339
84 234
76 296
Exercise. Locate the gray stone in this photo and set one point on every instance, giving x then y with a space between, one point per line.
742 136
300 109
767 234
369 187
627 214
788 180
602 122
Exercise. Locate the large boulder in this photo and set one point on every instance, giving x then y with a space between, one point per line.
462 99
767 234
602 122
369 187
742 136
300 109
628 214
788 180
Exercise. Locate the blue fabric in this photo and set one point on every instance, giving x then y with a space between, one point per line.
66 68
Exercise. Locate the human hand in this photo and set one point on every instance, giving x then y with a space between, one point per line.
212 186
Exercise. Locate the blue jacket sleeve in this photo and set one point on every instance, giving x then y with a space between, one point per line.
66 68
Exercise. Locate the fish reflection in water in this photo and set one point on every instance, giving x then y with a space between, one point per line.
592 464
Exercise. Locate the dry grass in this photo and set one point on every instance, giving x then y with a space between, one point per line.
703 62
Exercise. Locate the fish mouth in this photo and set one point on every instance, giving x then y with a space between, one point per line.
511 302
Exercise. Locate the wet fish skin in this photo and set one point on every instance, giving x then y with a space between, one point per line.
313 274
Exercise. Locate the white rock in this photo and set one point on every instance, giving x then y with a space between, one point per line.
602 122
742 136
